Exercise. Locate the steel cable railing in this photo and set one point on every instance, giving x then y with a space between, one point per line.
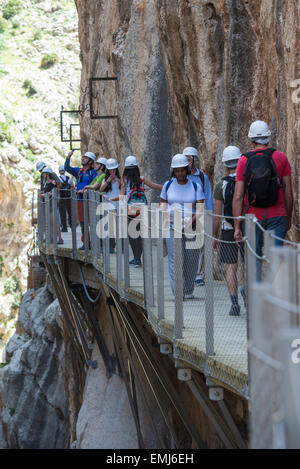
208 325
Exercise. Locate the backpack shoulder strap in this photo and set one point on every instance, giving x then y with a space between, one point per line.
267 151
202 178
168 185
195 186
227 178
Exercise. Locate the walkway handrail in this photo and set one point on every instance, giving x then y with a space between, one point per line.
150 287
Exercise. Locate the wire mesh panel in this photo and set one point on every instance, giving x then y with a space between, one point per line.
154 260
230 328
271 355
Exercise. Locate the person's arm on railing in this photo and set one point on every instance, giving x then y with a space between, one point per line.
94 187
288 199
104 185
237 208
152 185
218 206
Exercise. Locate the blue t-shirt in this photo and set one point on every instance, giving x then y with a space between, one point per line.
209 200
82 178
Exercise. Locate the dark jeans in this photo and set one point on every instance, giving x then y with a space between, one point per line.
136 244
279 226
64 210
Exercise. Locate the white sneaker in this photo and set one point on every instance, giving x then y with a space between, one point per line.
188 296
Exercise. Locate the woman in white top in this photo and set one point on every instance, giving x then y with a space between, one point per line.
110 188
186 194
132 188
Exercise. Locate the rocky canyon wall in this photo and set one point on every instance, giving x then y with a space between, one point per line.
42 378
189 72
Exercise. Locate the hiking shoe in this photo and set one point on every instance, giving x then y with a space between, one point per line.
188 296
243 294
132 262
60 241
234 310
199 282
82 248
137 263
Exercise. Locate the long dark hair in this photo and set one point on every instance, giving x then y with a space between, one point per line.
132 176
107 174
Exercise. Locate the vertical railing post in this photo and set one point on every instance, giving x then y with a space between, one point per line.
251 264
298 281
209 283
269 243
178 275
126 249
92 215
74 222
55 220
86 223
160 268
293 285
47 216
106 256
97 228
41 218
119 248
147 258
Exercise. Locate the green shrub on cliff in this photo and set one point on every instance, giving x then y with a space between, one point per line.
49 60
12 8
3 24
5 132
11 286
27 85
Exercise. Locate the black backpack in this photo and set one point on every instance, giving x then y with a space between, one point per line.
228 194
261 179
66 189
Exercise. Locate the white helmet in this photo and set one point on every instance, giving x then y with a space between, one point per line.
90 155
47 169
179 161
259 129
40 165
191 151
102 161
112 164
131 162
231 154
61 168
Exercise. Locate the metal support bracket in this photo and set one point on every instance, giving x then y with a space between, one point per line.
165 349
92 97
184 374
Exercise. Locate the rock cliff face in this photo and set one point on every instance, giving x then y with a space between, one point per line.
41 382
190 72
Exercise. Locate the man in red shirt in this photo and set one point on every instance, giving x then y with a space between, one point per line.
275 217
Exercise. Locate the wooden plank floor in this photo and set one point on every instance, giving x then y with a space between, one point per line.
229 364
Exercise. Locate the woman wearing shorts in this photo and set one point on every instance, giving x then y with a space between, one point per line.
228 249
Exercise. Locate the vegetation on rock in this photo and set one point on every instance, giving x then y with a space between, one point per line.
38 75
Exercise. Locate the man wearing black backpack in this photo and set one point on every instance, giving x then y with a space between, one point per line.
65 199
229 249
263 188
